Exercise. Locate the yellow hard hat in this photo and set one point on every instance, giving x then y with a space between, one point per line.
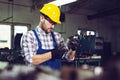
52 11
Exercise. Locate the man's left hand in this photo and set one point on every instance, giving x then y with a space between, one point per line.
73 42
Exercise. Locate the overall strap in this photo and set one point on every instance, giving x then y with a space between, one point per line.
39 43
54 41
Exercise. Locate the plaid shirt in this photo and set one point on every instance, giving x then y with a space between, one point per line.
30 43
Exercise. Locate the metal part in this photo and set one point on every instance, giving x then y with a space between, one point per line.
11 55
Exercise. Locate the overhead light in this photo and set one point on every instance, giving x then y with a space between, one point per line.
62 2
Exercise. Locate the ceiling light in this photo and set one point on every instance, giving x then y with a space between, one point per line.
62 2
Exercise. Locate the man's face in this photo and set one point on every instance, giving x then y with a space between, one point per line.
47 24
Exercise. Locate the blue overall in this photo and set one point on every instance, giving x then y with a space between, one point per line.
52 63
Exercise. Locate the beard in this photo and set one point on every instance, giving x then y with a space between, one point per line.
46 28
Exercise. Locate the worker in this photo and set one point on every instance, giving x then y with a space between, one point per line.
42 46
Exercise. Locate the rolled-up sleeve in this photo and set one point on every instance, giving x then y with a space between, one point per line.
28 46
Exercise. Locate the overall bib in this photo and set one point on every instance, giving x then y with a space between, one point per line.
52 63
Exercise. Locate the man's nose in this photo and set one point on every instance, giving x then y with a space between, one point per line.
52 26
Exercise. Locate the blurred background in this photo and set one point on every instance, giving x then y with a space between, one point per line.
95 22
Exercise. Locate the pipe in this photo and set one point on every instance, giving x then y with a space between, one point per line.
14 4
6 19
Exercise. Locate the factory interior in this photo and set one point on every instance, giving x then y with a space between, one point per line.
94 24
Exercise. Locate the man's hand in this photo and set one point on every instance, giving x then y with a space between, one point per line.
73 42
59 51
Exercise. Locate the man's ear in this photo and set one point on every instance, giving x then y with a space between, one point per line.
41 18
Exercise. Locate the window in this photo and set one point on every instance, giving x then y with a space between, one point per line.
18 32
90 33
5 36
8 33
20 29
86 32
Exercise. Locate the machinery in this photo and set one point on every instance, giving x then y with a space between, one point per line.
12 56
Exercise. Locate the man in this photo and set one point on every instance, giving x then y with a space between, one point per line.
42 46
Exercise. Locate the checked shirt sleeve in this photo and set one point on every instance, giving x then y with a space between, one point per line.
28 46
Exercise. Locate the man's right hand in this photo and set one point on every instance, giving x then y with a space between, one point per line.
59 51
